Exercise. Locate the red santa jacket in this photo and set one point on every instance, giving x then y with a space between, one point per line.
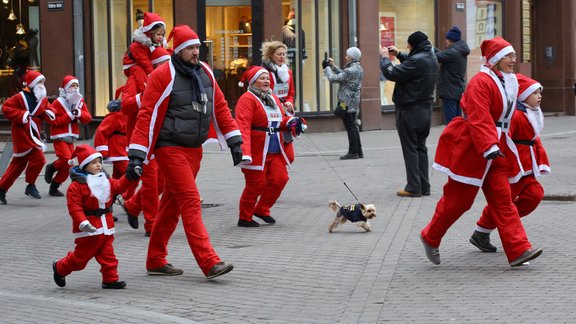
284 95
83 206
132 99
138 54
252 118
26 121
464 141
532 155
66 124
155 104
110 137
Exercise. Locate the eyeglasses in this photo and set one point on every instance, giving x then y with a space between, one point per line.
511 56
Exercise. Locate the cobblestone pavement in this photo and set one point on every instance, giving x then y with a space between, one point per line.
295 271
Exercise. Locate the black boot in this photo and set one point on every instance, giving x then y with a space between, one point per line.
3 197
54 192
482 241
49 172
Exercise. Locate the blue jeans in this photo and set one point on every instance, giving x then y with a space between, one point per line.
451 109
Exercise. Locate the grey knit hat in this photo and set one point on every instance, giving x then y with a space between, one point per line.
354 53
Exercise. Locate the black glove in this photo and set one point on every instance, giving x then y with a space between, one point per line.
325 63
494 155
236 151
134 170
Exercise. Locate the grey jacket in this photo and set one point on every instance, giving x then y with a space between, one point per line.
350 79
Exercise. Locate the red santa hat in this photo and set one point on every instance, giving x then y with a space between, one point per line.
160 54
251 75
526 86
183 36
68 81
32 78
85 154
151 20
493 50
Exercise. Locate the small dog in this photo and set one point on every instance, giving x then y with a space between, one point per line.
357 213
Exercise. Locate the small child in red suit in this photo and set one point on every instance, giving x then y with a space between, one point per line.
110 139
144 41
89 198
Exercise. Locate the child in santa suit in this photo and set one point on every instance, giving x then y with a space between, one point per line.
146 199
25 110
261 119
527 193
144 41
110 140
70 109
89 198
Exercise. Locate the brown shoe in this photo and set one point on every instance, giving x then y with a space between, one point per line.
166 270
219 269
404 193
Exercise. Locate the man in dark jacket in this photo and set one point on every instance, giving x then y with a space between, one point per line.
452 73
415 79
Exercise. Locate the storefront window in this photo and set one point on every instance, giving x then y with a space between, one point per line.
484 21
399 19
311 28
19 44
112 38
229 41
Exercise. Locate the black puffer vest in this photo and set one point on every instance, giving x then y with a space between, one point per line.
183 125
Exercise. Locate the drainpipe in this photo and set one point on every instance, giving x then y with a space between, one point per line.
79 43
352 30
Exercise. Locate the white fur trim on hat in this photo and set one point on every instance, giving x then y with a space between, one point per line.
498 56
35 81
256 75
70 83
147 28
89 159
530 90
160 59
194 41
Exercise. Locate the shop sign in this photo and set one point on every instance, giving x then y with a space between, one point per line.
459 6
55 5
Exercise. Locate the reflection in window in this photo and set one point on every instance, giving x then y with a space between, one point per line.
398 20
101 58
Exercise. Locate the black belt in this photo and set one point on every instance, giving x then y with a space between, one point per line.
98 212
499 124
119 133
524 142
269 130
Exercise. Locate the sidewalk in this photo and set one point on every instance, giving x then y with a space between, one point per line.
297 272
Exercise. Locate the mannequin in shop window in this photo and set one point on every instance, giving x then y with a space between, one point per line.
34 47
289 38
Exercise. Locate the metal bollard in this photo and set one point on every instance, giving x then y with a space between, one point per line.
5 158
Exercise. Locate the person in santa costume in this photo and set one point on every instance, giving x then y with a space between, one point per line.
70 109
261 119
144 41
525 129
471 150
26 110
146 199
110 140
89 198
182 107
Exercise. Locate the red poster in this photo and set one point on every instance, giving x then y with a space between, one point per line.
387 30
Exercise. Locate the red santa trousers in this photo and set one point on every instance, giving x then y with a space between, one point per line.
97 246
146 199
181 197
33 162
459 197
527 195
266 185
63 151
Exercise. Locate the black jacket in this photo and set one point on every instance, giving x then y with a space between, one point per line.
453 70
415 77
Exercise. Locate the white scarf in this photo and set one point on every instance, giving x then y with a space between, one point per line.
99 186
39 91
511 86
536 119
283 72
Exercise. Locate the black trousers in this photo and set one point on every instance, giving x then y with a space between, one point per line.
413 127
354 145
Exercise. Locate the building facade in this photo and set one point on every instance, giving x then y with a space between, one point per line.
88 39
